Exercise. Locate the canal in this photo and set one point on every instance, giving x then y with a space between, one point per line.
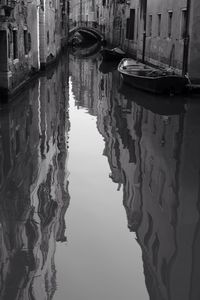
99 189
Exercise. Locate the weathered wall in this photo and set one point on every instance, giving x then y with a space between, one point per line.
194 50
162 48
22 56
50 31
31 36
83 12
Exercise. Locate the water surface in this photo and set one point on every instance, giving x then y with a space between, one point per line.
99 189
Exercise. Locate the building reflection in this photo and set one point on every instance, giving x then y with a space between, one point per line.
85 77
153 154
33 186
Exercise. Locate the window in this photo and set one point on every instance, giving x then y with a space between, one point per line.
9 45
183 23
26 43
93 5
15 44
127 27
159 24
130 25
170 14
3 50
150 25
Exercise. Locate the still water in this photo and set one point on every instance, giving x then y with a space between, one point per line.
99 190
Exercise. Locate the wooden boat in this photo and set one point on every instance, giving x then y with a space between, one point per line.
112 54
76 39
158 81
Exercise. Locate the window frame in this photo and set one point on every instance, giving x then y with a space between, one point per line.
169 24
183 25
150 22
159 19
15 44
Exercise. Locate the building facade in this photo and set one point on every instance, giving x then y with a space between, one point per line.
83 12
162 33
31 36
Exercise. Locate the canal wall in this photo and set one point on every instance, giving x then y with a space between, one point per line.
32 35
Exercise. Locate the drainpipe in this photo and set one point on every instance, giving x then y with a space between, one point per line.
144 30
186 40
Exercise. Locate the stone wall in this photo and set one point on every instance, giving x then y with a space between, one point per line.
31 36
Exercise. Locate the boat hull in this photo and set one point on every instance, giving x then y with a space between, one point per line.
146 78
160 85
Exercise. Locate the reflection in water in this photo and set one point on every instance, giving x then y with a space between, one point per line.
92 48
33 187
153 154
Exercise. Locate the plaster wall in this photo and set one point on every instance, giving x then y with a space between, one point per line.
50 31
163 48
194 46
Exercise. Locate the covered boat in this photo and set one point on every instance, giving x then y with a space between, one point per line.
112 54
150 79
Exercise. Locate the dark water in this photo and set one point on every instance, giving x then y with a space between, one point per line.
99 190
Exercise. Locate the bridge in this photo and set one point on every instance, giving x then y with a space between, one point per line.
86 31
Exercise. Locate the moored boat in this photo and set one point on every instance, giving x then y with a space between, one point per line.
76 39
112 54
158 81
